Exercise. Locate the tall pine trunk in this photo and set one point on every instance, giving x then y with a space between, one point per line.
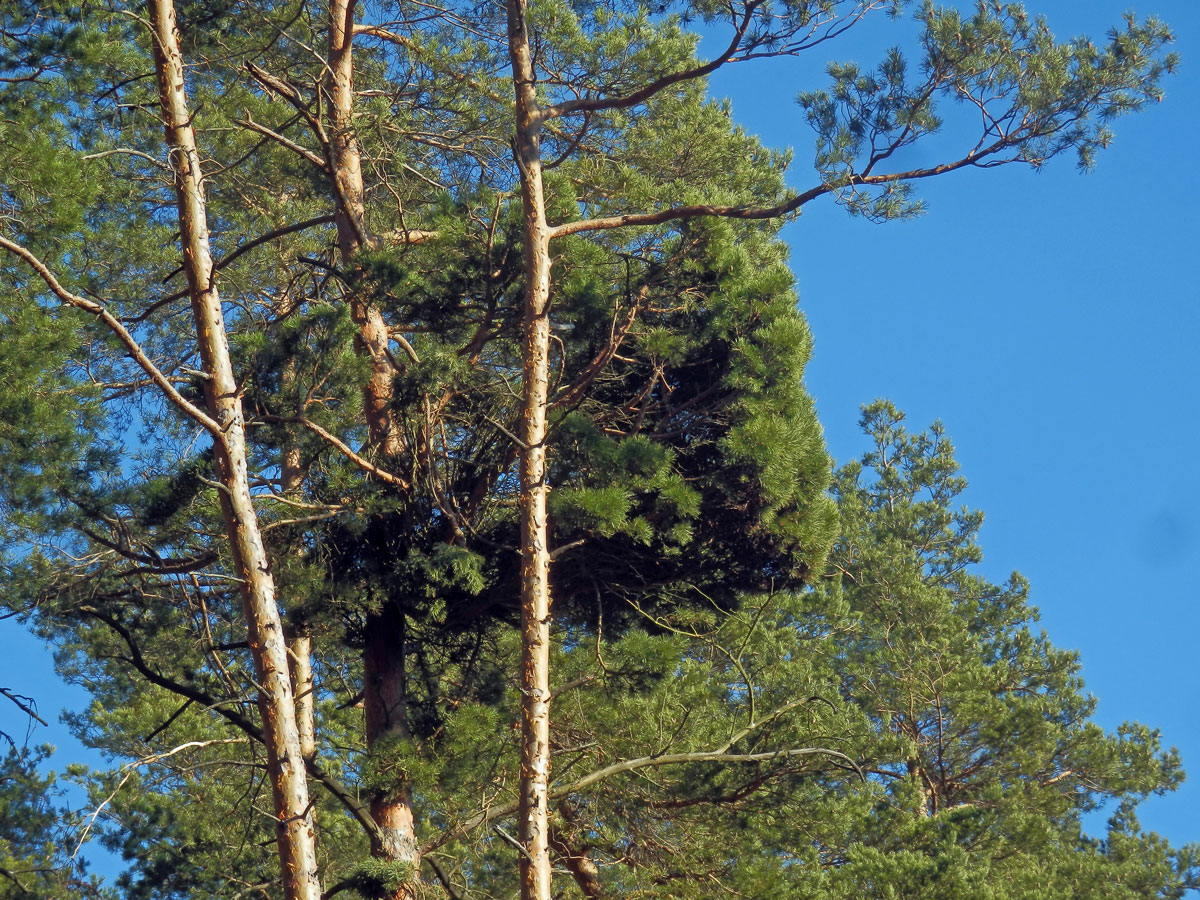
384 675
533 826
291 479
296 836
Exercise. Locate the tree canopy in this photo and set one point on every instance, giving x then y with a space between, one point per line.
337 340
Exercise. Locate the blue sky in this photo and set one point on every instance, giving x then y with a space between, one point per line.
1051 321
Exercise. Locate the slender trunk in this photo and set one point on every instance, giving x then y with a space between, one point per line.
533 825
300 657
300 643
346 174
384 707
384 675
295 832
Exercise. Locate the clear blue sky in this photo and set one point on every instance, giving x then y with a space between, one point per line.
1051 320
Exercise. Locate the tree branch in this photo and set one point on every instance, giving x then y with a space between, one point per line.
152 565
583 381
343 795
126 151
123 335
780 209
315 158
130 768
584 105
24 704
408 236
342 447
233 254
692 211
632 765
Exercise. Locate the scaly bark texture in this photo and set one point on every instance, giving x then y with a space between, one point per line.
384 705
384 676
533 825
285 764
345 164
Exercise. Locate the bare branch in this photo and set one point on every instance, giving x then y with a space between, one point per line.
128 152
315 158
343 448
25 704
123 335
633 765
130 768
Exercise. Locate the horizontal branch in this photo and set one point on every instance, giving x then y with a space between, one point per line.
126 151
693 211
778 211
408 236
633 765
386 34
674 759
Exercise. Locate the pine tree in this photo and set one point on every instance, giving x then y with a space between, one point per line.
36 834
900 729
985 760
427 333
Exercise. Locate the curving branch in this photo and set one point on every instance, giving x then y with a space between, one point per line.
632 765
635 98
128 771
787 207
154 565
230 257
122 333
